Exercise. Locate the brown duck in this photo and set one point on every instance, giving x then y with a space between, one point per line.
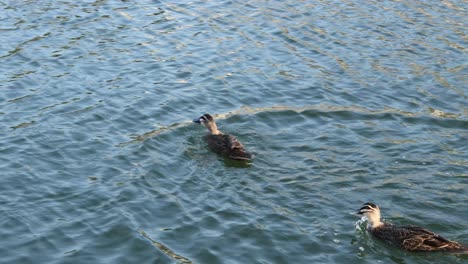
409 237
224 144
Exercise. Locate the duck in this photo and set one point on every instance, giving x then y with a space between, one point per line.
223 144
408 237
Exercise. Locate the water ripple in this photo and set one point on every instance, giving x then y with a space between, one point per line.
341 102
165 249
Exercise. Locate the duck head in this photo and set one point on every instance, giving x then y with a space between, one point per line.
207 121
372 212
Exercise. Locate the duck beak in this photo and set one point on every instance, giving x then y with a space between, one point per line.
197 120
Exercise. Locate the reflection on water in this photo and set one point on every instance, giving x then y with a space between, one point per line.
341 102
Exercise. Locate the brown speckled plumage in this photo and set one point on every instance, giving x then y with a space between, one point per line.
408 237
414 238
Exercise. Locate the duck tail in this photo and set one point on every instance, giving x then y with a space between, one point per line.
465 248
462 249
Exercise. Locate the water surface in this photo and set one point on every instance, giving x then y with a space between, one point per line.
342 102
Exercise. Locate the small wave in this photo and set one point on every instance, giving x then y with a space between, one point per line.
434 117
360 223
164 249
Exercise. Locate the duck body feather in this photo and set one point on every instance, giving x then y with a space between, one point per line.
221 143
414 238
227 145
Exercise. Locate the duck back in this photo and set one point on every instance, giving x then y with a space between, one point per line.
414 238
228 146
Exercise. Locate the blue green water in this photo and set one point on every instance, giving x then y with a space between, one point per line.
341 102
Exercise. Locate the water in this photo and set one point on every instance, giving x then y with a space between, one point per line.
342 102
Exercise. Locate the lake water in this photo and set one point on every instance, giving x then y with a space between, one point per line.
341 102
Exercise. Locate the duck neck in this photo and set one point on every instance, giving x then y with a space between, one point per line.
214 129
373 220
